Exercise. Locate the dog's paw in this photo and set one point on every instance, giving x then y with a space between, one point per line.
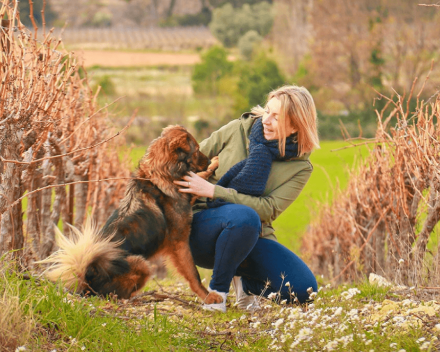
213 297
211 169
214 164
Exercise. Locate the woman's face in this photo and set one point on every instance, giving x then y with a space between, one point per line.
270 119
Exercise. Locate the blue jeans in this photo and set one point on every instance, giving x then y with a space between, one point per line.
226 239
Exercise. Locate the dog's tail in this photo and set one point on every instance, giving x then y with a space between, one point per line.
86 248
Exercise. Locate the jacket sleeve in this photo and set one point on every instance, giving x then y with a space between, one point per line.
214 144
271 206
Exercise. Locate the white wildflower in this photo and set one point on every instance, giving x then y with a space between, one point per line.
399 320
420 340
278 323
393 345
83 348
337 312
255 325
305 332
21 348
425 345
284 301
342 328
368 342
287 284
346 339
331 346
312 295
350 293
309 290
294 344
272 344
402 350
401 261
272 295
353 313
104 324
232 321
243 317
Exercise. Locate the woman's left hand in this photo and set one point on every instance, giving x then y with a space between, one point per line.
196 185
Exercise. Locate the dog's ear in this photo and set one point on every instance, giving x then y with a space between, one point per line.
179 142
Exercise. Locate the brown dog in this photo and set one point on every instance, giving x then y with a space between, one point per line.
153 218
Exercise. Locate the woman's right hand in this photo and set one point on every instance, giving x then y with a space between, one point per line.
196 185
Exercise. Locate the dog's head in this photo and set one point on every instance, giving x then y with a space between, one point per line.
174 154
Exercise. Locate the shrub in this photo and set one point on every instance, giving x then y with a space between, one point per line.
247 43
102 19
200 19
211 70
107 85
256 79
228 24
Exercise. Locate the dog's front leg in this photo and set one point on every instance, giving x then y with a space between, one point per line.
183 261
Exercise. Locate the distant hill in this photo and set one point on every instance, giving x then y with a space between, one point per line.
122 12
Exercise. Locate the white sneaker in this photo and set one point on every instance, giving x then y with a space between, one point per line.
216 306
244 301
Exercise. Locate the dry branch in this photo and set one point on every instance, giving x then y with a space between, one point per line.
73 151
372 226
51 137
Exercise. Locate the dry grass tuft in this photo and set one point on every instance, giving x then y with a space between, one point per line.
16 326
385 221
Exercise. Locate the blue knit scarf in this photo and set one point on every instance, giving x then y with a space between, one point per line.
250 175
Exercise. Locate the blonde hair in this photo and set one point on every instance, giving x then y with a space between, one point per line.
298 111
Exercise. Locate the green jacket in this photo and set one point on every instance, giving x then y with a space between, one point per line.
286 178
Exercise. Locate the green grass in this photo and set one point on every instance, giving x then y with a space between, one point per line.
169 318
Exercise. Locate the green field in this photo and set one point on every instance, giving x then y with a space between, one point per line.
330 169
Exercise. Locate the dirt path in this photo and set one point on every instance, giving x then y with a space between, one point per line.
127 59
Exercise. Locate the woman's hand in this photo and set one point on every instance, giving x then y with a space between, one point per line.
196 185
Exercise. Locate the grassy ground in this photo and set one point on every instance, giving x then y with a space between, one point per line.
37 316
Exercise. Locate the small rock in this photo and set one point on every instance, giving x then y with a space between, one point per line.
423 309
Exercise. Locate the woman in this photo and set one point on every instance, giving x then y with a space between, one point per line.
263 166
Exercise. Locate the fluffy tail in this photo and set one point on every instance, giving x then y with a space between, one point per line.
72 261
